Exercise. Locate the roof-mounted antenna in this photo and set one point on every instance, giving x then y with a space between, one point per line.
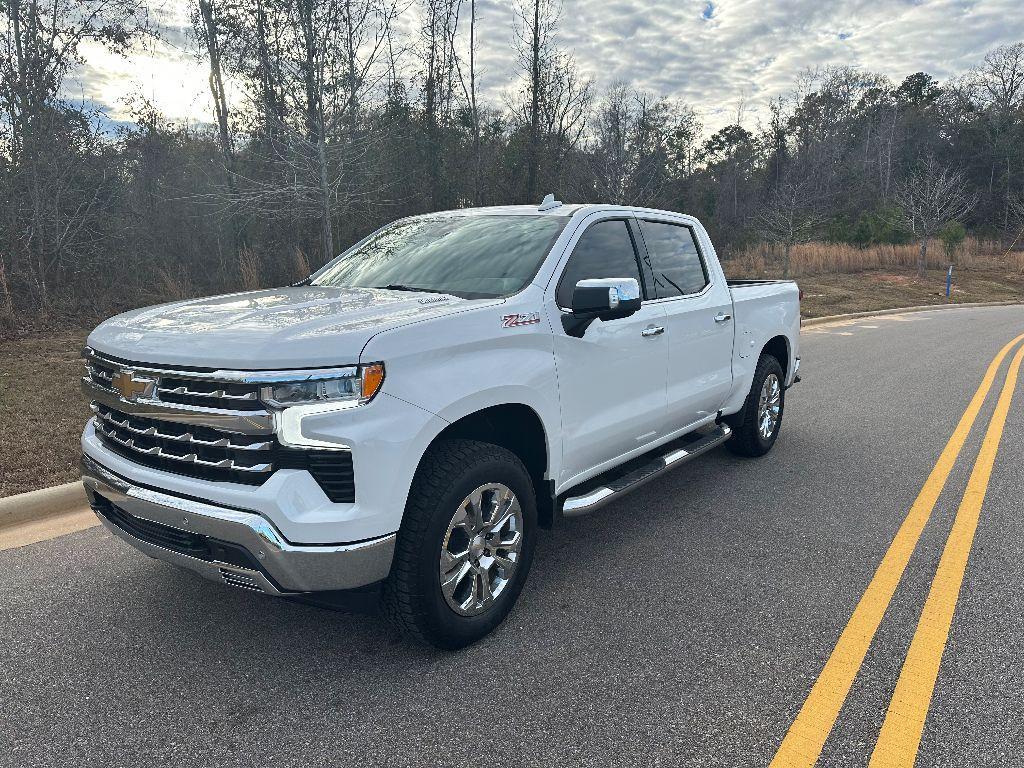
549 203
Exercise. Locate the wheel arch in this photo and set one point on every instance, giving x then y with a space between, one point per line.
778 347
520 429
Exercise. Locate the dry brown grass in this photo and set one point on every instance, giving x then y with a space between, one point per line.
839 258
838 278
41 410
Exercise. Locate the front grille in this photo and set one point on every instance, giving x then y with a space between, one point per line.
181 390
183 449
206 451
186 543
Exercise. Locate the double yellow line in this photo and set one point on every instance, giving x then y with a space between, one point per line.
901 733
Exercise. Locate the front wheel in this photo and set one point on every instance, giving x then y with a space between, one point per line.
465 546
756 426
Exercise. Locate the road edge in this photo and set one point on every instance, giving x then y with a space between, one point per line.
901 310
45 502
70 497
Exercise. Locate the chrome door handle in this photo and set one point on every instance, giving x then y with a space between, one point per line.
652 330
722 317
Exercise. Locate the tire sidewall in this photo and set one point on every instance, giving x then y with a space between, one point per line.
445 626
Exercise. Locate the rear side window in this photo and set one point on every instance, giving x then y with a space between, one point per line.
678 269
604 250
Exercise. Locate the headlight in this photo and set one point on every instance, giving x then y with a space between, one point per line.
355 385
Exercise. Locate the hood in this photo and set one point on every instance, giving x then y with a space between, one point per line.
298 327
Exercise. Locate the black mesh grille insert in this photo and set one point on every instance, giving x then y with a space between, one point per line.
183 542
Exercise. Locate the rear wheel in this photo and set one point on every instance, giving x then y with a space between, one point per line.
756 426
465 546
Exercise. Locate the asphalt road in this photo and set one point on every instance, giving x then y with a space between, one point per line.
683 625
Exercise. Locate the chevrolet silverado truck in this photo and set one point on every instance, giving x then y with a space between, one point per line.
407 420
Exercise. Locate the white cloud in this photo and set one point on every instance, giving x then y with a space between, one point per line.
711 55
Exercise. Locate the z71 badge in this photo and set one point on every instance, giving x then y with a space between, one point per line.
514 321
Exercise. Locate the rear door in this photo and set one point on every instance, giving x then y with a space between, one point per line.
611 381
698 318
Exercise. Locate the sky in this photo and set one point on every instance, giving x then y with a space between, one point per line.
725 58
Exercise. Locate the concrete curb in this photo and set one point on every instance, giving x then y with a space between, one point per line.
46 502
903 310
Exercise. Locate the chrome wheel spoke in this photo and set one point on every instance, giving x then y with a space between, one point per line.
450 560
506 564
484 580
509 543
450 584
474 506
480 550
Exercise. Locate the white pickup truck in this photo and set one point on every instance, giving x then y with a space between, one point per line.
406 420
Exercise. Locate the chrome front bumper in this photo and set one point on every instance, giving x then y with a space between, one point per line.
280 568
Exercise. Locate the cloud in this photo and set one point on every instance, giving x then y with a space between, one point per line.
713 55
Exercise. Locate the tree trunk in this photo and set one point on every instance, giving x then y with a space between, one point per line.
532 153
922 257
473 104
327 229
785 260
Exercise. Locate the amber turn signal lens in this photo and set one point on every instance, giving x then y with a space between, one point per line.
372 378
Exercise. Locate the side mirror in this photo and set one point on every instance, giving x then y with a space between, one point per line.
608 298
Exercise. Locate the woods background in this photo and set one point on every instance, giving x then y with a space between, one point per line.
346 122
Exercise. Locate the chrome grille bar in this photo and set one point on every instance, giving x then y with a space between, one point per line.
190 458
181 437
217 394
226 420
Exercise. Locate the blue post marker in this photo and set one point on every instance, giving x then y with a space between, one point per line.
949 280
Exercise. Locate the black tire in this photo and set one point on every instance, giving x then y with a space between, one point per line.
746 437
412 598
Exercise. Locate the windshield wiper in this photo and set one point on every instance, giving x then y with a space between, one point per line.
400 287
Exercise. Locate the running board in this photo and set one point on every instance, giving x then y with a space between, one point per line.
615 487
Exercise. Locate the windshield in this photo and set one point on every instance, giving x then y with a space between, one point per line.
473 257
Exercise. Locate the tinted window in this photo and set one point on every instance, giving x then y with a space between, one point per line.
473 257
604 250
675 261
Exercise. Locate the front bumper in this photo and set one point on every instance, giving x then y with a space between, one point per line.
232 546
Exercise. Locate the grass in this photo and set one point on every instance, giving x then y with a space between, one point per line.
838 278
42 411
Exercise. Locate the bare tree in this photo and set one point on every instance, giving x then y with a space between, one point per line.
928 199
793 214
535 26
1000 81
209 31
54 208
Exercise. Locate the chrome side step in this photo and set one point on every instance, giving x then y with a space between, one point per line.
612 489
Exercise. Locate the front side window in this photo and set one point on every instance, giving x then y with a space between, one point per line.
604 250
473 257
677 267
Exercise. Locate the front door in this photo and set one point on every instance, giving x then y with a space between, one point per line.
612 380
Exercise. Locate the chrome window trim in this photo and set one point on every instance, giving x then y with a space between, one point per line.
707 289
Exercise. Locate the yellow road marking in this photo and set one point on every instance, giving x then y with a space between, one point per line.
803 742
901 733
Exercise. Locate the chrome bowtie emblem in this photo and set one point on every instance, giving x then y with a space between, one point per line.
132 387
